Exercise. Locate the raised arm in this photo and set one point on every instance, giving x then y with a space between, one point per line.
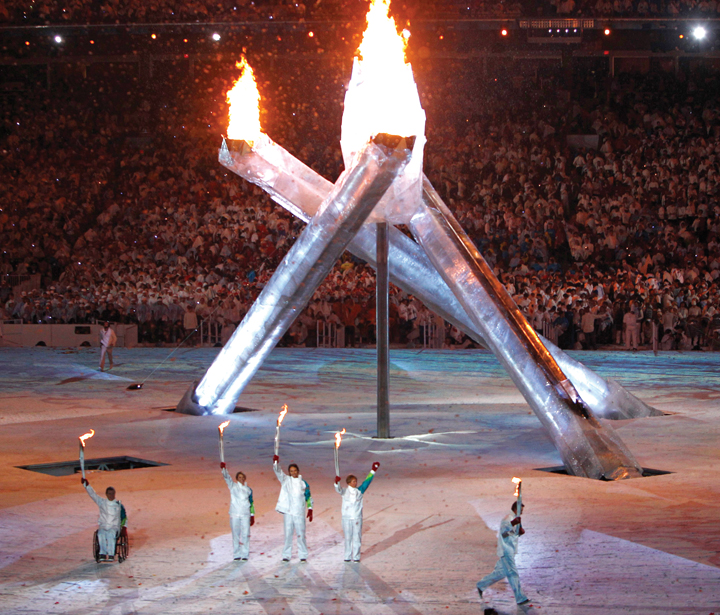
366 483
91 492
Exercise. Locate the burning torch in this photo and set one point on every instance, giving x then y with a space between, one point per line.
221 429
338 440
277 428
82 439
518 494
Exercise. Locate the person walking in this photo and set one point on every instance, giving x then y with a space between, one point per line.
507 544
242 512
112 518
108 339
352 511
294 499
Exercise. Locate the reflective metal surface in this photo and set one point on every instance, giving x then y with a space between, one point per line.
300 190
588 447
297 277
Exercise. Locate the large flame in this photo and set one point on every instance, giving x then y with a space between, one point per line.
338 437
222 426
382 95
517 482
382 98
85 436
244 101
282 415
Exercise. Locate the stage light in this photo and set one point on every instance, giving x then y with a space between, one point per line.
215 36
311 34
503 32
58 39
607 31
153 36
699 33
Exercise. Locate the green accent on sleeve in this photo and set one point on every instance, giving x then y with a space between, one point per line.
366 483
123 516
252 504
308 497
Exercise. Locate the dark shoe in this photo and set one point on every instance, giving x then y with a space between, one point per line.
356 561
237 559
347 560
285 559
527 600
480 592
303 560
244 559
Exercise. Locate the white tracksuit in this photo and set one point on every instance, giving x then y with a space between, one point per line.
109 522
507 545
352 516
241 507
108 339
293 501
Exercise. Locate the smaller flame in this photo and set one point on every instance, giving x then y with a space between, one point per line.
338 437
85 436
517 482
222 426
244 101
282 415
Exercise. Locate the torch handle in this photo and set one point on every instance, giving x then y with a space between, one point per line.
222 448
337 462
82 459
277 440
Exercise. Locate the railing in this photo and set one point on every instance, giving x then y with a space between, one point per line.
210 333
330 335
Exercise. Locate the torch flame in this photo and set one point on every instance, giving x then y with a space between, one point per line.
382 95
244 101
222 426
85 436
517 482
338 437
282 414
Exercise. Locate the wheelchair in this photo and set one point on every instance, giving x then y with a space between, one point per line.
122 546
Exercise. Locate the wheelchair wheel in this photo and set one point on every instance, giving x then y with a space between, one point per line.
96 547
122 546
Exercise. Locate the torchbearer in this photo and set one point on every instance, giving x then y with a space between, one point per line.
111 520
294 499
242 512
352 511
507 544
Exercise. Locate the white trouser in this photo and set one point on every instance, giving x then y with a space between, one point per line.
296 524
240 536
353 538
505 567
107 539
631 337
103 350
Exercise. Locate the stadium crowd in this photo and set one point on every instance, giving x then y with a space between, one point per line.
16 12
118 204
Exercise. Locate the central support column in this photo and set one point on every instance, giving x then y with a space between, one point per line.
382 333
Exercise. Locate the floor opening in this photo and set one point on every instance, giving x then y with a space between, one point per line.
103 464
562 470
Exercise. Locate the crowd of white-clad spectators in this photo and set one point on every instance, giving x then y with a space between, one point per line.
124 213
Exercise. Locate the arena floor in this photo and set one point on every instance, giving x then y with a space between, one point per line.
643 546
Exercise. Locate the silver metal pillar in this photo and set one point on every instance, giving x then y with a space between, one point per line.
587 447
382 332
299 274
300 190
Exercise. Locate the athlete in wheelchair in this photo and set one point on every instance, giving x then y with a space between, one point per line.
111 538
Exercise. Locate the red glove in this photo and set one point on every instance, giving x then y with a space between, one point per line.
375 466
222 465
252 520
276 459
337 480
515 521
309 515
83 481
521 532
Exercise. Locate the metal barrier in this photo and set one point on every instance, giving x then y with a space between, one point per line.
330 335
210 333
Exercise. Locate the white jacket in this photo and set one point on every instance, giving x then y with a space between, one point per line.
241 497
110 511
508 535
107 338
352 498
294 494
